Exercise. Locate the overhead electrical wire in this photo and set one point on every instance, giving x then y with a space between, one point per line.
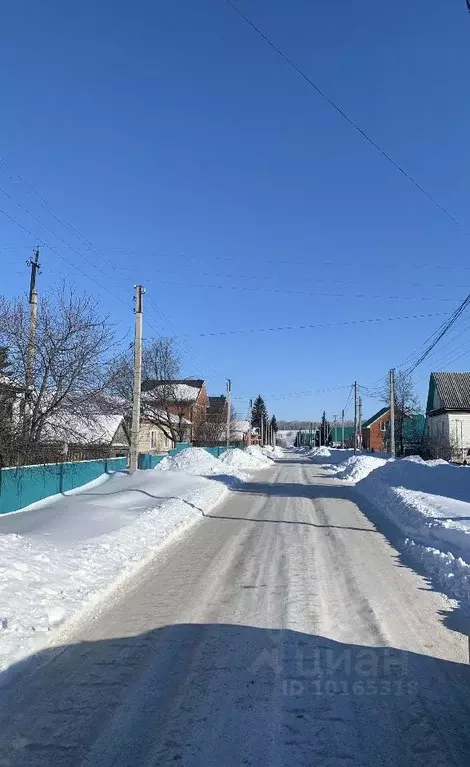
320 92
320 325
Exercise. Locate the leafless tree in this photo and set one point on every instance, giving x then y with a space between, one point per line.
406 404
165 400
72 343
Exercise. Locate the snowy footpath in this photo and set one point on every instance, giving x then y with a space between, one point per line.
63 555
428 501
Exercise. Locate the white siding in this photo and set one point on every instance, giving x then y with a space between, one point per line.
448 436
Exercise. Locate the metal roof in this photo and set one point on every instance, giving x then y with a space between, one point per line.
453 390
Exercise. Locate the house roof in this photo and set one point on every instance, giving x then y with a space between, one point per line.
375 417
180 390
97 429
453 390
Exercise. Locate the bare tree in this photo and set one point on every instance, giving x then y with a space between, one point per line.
406 404
165 399
72 342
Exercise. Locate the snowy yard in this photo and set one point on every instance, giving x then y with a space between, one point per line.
62 555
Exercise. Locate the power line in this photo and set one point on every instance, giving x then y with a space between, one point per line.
283 291
445 329
321 325
281 262
347 118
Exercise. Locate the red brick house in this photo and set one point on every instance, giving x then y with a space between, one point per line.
374 430
186 398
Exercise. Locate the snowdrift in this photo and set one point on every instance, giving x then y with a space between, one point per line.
197 461
429 502
63 559
258 452
357 467
241 460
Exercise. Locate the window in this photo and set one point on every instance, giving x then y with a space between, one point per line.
383 426
153 439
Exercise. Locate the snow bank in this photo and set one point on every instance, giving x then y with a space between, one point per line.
273 452
429 501
240 459
319 452
357 467
62 559
257 452
196 460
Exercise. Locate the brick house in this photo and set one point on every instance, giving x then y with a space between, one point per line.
376 432
185 398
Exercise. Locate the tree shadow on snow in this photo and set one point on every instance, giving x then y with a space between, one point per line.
214 694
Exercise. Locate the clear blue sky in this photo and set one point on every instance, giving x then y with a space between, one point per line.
162 129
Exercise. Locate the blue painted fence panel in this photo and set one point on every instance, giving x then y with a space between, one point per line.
20 486
149 460
180 446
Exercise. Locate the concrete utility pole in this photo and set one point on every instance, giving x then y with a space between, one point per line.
250 414
359 430
33 311
392 413
355 417
229 389
342 429
139 301
261 424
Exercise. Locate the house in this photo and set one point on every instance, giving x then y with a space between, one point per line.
11 393
185 398
376 432
336 436
77 437
155 433
447 431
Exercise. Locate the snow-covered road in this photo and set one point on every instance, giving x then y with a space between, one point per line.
282 630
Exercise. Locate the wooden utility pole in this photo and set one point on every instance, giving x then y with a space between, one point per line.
342 429
135 428
355 416
33 312
392 413
229 390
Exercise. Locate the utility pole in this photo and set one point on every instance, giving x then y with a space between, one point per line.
392 413
359 430
229 389
261 429
355 417
33 311
250 415
342 429
333 428
139 300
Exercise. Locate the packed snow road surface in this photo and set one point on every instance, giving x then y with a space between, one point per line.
282 630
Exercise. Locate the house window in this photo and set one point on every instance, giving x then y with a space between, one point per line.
383 426
153 439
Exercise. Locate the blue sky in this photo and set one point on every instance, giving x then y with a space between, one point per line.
195 161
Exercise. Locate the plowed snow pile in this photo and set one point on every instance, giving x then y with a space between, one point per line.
257 452
319 452
196 460
240 459
429 501
358 467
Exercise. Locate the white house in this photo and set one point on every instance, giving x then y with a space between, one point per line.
447 429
